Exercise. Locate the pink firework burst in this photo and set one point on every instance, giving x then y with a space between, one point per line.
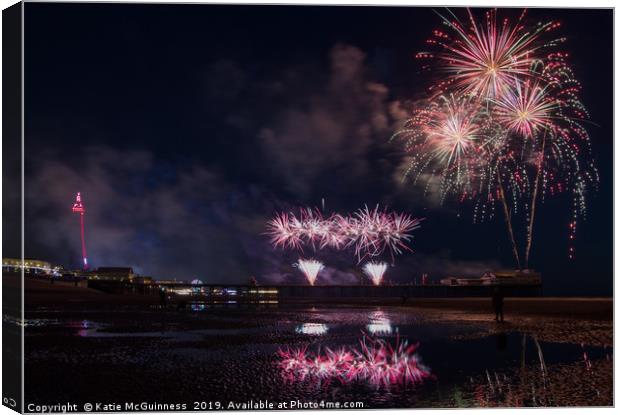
369 232
446 139
484 58
283 232
526 109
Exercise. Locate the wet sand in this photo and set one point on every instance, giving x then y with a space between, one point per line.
587 320
99 347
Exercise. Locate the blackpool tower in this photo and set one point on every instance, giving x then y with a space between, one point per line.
78 207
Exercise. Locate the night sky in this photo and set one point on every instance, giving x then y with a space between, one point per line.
186 127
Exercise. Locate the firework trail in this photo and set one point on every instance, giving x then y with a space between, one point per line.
375 271
556 153
374 361
504 123
310 268
369 232
544 124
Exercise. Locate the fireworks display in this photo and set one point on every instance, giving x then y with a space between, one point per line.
374 361
375 271
485 58
503 123
369 232
310 268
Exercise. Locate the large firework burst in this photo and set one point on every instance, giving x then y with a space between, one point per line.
485 58
505 121
446 139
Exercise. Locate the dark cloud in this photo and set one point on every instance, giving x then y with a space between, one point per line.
334 128
187 225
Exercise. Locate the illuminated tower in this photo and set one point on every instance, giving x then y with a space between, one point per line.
78 207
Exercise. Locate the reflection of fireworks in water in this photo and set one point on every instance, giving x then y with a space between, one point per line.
310 268
312 329
374 361
375 271
379 324
369 232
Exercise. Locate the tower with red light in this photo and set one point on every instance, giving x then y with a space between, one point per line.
78 207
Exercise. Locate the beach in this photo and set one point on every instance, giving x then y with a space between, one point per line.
98 345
